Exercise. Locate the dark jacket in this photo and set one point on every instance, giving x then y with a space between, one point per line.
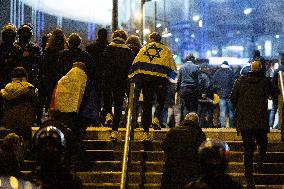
182 162
223 81
69 56
118 60
56 178
189 76
207 93
51 70
10 57
250 99
220 182
32 62
97 50
9 164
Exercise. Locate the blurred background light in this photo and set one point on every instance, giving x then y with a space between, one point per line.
247 11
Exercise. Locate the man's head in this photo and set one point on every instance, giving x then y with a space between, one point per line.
134 40
49 143
102 34
56 40
119 34
190 57
225 64
191 119
20 73
255 53
80 65
155 37
281 58
12 140
74 41
213 157
8 33
25 33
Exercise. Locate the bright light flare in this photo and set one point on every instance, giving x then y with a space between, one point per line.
247 11
87 11
158 25
196 18
200 23
137 15
146 31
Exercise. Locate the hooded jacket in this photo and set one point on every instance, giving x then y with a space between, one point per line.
223 81
20 102
250 99
181 149
189 76
118 59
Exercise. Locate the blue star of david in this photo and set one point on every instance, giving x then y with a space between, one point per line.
152 56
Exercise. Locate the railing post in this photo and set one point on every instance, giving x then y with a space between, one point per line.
128 136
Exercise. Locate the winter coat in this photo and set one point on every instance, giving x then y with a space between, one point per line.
56 178
10 57
32 61
20 103
118 59
182 162
97 51
50 70
9 164
223 81
250 99
189 76
220 182
207 93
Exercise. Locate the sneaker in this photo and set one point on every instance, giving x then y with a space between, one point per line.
108 120
156 124
114 135
146 136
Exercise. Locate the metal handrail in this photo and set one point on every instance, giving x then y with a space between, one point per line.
281 82
128 137
280 122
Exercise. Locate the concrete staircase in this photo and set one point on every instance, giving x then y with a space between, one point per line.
148 159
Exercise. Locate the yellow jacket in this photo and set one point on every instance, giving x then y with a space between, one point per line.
154 59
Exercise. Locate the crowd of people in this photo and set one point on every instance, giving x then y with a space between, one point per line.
80 88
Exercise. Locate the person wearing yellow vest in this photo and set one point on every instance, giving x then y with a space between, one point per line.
152 69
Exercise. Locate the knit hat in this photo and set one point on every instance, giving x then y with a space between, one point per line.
255 66
225 63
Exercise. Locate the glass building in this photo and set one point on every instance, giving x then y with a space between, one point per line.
207 28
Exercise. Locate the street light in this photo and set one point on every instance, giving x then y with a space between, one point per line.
114 15
142 17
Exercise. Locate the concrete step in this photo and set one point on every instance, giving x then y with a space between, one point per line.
110 155
117 186
157 186
154 166
155 178
157 145
227 134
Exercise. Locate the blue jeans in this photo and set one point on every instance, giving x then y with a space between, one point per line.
273 112
226 109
